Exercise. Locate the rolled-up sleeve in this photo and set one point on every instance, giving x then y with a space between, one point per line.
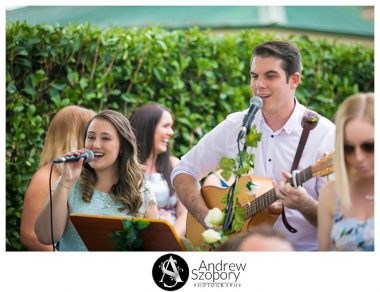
206 155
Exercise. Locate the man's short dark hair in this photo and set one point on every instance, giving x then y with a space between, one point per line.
284 50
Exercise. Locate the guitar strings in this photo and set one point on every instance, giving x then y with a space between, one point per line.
269 197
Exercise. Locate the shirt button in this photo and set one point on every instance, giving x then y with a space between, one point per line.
272 136
269 159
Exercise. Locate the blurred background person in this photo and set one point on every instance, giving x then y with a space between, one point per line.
346 208
153 126
263 238
111 184
65 133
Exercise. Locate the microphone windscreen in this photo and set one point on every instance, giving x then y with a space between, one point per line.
256 100
90 156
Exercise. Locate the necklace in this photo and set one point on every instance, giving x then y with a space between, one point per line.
369 197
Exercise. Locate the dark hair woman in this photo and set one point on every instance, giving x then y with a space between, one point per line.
153 124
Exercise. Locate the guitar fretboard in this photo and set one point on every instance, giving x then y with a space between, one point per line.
270 197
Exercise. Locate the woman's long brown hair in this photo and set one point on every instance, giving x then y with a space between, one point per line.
127 190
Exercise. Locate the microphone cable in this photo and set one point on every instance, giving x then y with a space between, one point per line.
51 207
90 157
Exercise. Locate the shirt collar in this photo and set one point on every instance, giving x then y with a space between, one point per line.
294 122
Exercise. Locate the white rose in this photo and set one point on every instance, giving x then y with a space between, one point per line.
215 217
211 236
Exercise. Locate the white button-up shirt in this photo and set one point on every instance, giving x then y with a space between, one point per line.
274 153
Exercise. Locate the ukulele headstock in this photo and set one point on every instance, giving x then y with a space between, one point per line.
324 166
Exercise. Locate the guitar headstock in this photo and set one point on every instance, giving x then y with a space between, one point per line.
324 166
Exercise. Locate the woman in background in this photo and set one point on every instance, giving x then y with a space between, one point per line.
65 133
153 124
346 205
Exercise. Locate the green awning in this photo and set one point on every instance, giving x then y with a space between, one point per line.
346 20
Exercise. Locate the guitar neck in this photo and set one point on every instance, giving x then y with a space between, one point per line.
270 197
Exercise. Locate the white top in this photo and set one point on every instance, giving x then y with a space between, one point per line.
156 183
274 153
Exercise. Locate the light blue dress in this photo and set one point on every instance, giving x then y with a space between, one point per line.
352 234
100 204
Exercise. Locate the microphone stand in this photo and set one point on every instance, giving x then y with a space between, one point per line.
256 103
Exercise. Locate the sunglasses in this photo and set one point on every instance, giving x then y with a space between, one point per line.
367 147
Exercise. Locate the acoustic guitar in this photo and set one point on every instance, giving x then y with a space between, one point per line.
255 201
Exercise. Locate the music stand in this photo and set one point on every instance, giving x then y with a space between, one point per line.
96 231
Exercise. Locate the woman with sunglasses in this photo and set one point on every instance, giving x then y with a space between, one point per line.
346 205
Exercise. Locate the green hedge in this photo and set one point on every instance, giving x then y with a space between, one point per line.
200 75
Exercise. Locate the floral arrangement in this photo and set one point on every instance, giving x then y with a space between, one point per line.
242 164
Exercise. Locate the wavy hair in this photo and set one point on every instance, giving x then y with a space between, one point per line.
65 132
360 105
144 123
131 172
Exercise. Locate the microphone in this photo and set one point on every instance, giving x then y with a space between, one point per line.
88 156
255 104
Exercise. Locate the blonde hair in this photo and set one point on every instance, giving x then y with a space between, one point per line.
360 105
65 132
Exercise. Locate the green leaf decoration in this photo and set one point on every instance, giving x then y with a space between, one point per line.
241 165
241 171
227 163
224 238
253 137
235 200
226 174
141 225
238 220
240 212
127 239
237 224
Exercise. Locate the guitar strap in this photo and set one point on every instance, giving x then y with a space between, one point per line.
309 122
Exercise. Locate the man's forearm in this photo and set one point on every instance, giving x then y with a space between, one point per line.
189 193
309 211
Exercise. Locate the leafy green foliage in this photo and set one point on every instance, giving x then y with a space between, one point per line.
128 238
253 138
199 75
241 165
227 165
231 166
238 222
